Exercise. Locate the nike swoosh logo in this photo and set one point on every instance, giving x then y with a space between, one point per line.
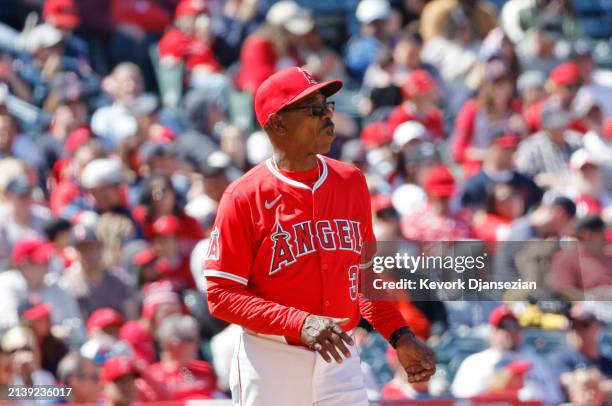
271 204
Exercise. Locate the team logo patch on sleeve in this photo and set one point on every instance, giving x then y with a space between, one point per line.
213 245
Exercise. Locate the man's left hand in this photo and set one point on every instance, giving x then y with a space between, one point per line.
416 358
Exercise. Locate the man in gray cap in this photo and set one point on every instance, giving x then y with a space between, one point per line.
545 155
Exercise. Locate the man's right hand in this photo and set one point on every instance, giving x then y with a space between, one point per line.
324 335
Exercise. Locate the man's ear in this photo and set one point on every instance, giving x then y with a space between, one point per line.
275 123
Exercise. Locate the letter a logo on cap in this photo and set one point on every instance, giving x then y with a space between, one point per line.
308 77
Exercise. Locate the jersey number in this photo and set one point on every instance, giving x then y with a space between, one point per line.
353 275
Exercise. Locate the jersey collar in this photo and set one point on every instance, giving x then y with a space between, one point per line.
295 183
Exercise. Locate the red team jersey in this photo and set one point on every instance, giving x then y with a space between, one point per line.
281 249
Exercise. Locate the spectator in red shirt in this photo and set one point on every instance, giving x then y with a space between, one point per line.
492 112
435 221
504 204
179 371
274 45
564 83
182 42
420 93
158 199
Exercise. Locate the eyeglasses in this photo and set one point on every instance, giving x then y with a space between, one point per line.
317 111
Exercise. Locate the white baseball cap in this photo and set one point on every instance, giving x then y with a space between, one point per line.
408 131
102 172
369 11
42 36
295 19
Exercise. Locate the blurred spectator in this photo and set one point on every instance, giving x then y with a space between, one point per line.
25 357
551 220
13 144
91 284
104 321
504 204
230 26
507 380
530 85
64 15
363 48
593 82
140 341
31 283
179 370
173 260
182 44
505 337
537 51
52 343
114 230
115 122
420 94
582 270
158 199
586 185
584 387
273 45
435 221
434 18
480 119
119 376
498 169
159 302
146 109
57 232
545 155
20 217
564 82
10 78
82 375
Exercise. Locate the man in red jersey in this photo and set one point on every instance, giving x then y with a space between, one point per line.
284 260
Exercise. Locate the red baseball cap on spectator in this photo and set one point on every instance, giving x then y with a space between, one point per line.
157 293
166 226
376 134
144 257
33 250
519 366
565 74
103 318
77 138
115 368
37 312
139 338
288 86
61 13
509 140
417 83
500 313
381 201
190 7
608 128
439 182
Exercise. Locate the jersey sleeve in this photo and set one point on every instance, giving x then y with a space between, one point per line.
231 249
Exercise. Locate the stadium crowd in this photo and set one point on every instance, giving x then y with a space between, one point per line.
123 121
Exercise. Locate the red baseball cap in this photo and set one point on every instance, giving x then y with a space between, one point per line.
417 83
376 134
167 226
76 139
565 74
439 182
519 366
499 314
61 13
144 257
190 7
608 128
37 312
115 368
509 140
288 86
139 338
381 201
32 249
102 318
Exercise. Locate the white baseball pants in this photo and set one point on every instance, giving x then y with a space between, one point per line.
266 372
